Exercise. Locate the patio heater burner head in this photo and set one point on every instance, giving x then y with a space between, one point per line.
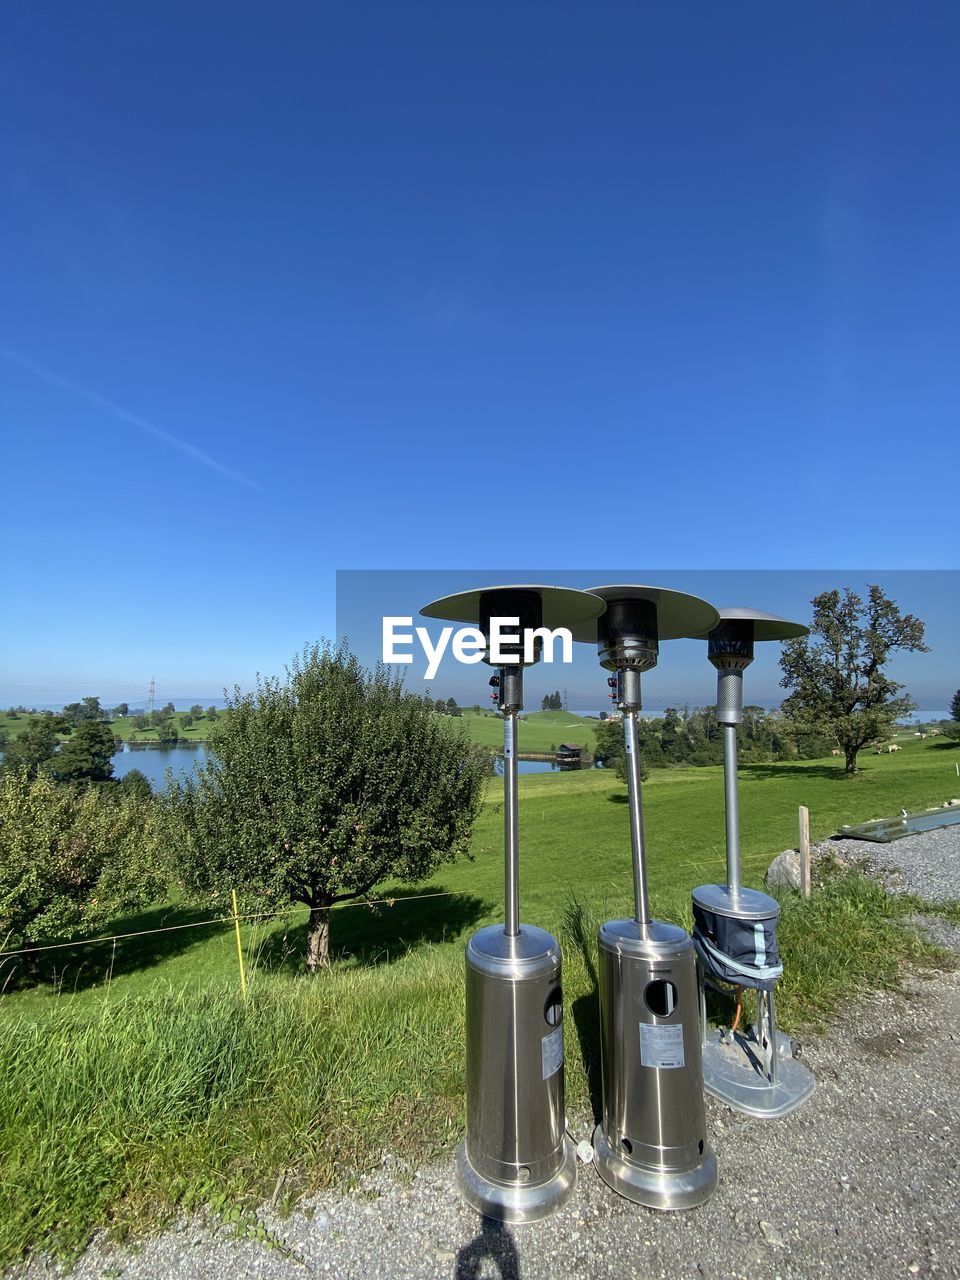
730 649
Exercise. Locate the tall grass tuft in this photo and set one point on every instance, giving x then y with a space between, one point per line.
121 1114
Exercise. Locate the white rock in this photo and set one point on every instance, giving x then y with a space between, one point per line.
784 870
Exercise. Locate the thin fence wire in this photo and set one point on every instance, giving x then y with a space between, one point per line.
202 924
262 915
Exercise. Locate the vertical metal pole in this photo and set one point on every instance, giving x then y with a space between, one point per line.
772 1033
511 872
640 895
732 807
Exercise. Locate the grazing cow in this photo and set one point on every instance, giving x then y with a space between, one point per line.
893 747
836 752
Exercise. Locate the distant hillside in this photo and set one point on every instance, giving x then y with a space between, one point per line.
538 730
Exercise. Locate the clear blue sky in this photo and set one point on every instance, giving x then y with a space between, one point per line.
300 287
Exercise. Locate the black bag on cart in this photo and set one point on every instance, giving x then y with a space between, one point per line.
740 952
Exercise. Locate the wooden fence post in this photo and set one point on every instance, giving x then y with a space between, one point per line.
804 851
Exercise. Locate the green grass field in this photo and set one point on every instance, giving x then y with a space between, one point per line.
199 731
538 730
138 1082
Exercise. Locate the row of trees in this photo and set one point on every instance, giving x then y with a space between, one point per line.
693 737
840 693
552 701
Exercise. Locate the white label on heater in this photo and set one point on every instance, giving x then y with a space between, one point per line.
551 1052
661 1047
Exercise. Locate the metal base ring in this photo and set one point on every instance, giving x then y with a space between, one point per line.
517 1201
655 1188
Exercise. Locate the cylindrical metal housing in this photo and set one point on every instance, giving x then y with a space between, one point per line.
627 635
729 696
730 644
525 606
652 1143
517 1164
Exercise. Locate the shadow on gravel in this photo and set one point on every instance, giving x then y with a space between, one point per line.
494 1243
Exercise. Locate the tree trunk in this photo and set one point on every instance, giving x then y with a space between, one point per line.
851 761
318 938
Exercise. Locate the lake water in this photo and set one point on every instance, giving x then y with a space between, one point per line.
155 761
533 766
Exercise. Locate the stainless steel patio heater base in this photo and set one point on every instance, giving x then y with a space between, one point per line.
517 1163
652 1144
741 1069
734 1073
656 1190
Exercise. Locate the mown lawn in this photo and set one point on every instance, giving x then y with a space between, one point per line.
156 1087
538 731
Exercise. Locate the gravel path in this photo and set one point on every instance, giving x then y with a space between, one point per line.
863 1181
927 864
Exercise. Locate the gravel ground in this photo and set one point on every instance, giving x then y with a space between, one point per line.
863 1181
927 864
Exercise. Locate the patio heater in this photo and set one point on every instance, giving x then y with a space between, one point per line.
735 929
651 1145
517 1163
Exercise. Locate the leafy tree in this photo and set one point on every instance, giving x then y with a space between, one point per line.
168 709
603 715
186 720
87 709
120 711
168 733
953 730
322 785
32 750
196 711
72 858
87 755
545 702
211 713
836 675
137 784
608 740
609 749
140 721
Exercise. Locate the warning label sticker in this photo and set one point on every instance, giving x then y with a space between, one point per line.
661 1047
551 1052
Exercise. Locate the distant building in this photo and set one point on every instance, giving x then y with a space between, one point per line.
568 752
